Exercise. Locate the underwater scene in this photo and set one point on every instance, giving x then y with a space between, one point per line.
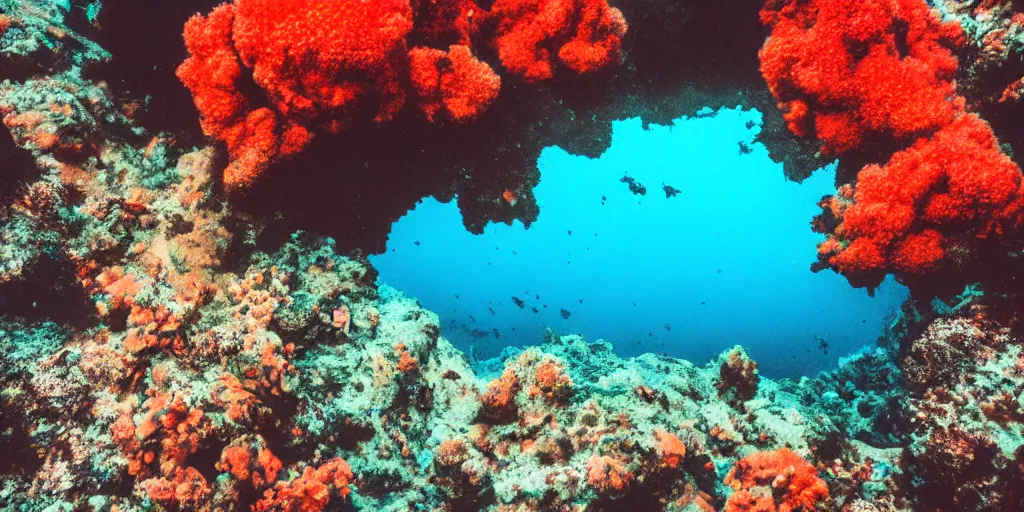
511 255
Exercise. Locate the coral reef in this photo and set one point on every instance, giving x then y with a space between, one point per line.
158 351
885 87
332 64
493 178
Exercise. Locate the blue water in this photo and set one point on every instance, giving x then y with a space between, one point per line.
723 262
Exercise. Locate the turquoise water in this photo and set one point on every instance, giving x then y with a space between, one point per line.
724 261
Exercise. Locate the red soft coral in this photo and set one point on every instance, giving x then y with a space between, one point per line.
311 491
850 70
585 35
317 62
452 83
326 65
947 190
772 481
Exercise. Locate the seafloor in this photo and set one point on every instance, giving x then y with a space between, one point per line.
187 321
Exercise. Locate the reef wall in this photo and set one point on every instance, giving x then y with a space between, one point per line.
161 348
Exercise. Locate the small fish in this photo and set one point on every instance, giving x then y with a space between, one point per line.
670 191
637 188
822 343
565 313
535 310
496 333
519 302
417 242
745 148
668 327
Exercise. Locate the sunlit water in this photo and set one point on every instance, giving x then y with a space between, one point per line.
723 261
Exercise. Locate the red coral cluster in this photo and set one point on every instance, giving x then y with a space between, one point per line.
778 480
584 35
311 491
941 194
453 83
880 73
850 71
326 66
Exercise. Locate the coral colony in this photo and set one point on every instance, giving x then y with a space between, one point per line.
177 334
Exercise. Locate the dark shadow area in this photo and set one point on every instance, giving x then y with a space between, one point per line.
15 442
145 41
49 293
18 168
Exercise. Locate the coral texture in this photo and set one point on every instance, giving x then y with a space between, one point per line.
850 72
584 35
452 83
156 353
794 484
885 81
336 65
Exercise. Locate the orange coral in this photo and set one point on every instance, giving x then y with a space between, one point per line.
585 35
607 475
186 487
552 380
792 483
311 491
342 53
499 399
671 447
452 452
250 462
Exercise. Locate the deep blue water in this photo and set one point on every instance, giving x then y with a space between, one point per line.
723 262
